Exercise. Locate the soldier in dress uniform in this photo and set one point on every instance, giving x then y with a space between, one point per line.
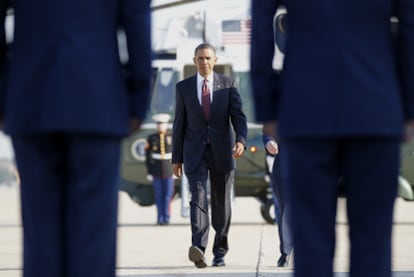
159 167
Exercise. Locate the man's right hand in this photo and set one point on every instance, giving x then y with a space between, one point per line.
178 170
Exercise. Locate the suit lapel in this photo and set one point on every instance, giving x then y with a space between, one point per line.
217 90
194 97
218 84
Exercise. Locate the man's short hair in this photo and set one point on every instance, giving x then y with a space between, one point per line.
205 46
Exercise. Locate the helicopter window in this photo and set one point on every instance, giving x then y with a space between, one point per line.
164 91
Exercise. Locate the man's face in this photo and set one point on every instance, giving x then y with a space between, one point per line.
205 61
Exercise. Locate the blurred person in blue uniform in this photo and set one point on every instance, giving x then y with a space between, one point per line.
158 161
67 105
279 182
340 106
269 160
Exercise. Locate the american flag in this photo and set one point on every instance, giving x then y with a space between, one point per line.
236 31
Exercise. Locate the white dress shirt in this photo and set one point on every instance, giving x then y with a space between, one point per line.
200 80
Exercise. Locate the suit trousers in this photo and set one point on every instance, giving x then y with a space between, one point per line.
220 198
69 200
369 167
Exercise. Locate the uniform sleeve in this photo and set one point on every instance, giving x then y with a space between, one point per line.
3 52
405 46
263 77
136 22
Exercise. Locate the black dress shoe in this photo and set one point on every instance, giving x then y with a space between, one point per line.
196 255
283 261
218 261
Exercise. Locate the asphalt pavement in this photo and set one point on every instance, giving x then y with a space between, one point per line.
146 249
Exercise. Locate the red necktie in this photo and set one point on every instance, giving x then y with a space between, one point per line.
205 99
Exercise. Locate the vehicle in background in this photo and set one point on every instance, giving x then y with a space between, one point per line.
178 26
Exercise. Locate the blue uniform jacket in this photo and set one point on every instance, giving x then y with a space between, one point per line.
343 75
71 79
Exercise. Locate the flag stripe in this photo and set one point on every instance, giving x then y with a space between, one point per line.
236 32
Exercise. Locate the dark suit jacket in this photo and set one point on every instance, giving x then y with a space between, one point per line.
190 128
343 74
65 74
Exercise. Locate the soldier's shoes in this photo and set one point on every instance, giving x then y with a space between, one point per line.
283 261
197 257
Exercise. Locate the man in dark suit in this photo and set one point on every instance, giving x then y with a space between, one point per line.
67 106
203 142
346 91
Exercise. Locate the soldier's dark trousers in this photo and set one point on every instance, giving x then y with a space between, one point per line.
163 192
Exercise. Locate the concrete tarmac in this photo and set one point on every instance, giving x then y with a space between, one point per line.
145 249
